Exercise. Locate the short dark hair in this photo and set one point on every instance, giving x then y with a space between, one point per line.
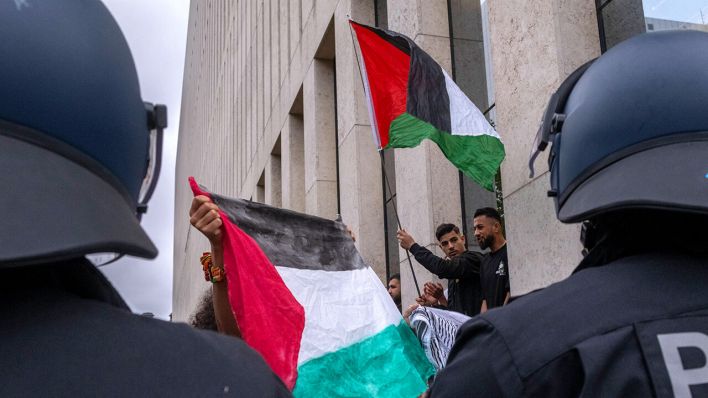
489 212
445 229
394 276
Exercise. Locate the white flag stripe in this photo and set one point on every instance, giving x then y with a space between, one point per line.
341 308
465 118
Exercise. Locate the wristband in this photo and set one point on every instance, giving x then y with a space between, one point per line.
212 273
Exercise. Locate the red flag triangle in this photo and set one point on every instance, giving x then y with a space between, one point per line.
270 319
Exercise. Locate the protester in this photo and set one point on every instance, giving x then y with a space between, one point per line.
75 151
394 289
461 267
204 216
494 275
272 255
632 319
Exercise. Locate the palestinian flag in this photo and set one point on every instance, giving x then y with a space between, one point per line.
350 341
411 98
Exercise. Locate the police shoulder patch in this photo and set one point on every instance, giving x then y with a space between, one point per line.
675 352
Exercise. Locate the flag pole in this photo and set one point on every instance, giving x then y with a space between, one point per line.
383 164
398 220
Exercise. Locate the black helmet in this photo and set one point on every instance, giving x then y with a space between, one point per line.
75 136
630 129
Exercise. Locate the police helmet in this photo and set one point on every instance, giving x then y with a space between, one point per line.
79 149
629 130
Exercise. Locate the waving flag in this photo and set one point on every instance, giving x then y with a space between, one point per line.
354 342
411 98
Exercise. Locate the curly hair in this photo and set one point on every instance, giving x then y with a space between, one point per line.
204 317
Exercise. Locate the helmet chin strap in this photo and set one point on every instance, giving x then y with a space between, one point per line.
589 236
157 122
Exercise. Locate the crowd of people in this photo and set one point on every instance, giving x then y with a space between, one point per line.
476 282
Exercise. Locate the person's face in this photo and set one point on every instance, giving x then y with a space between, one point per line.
394 290
452 244
484 231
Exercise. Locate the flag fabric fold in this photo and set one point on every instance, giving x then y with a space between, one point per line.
270 318
354 341
412 98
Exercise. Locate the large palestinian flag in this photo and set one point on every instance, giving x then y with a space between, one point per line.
411 97
350 341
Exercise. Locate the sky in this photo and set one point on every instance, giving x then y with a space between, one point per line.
694 11
156 31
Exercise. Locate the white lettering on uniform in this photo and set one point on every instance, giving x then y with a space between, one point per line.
21 3
682 379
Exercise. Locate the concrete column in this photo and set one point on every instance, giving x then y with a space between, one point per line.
360 167
320 140
622 20
285 39
273 182
535 45
293 164
427 184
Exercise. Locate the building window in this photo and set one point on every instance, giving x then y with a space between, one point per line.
618 20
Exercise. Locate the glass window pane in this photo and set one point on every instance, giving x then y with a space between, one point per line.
622 19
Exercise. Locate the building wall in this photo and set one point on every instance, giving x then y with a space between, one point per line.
273 110
535 45
261 120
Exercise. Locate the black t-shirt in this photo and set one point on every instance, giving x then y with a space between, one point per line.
495 278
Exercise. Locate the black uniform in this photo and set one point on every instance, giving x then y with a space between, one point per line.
66 332
603 332
464 292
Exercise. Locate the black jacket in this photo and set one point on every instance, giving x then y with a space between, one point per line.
464 291
595 334
66 332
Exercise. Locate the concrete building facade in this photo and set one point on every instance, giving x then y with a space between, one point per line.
273 110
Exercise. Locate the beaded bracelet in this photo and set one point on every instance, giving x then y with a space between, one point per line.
212 273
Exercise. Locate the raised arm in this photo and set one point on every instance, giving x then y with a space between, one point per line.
466 265
204 216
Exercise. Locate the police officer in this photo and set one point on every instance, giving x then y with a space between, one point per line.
629 157
75 173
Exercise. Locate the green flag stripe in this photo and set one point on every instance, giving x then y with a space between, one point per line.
389 364
478 156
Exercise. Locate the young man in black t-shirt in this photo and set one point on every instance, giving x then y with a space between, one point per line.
494 273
